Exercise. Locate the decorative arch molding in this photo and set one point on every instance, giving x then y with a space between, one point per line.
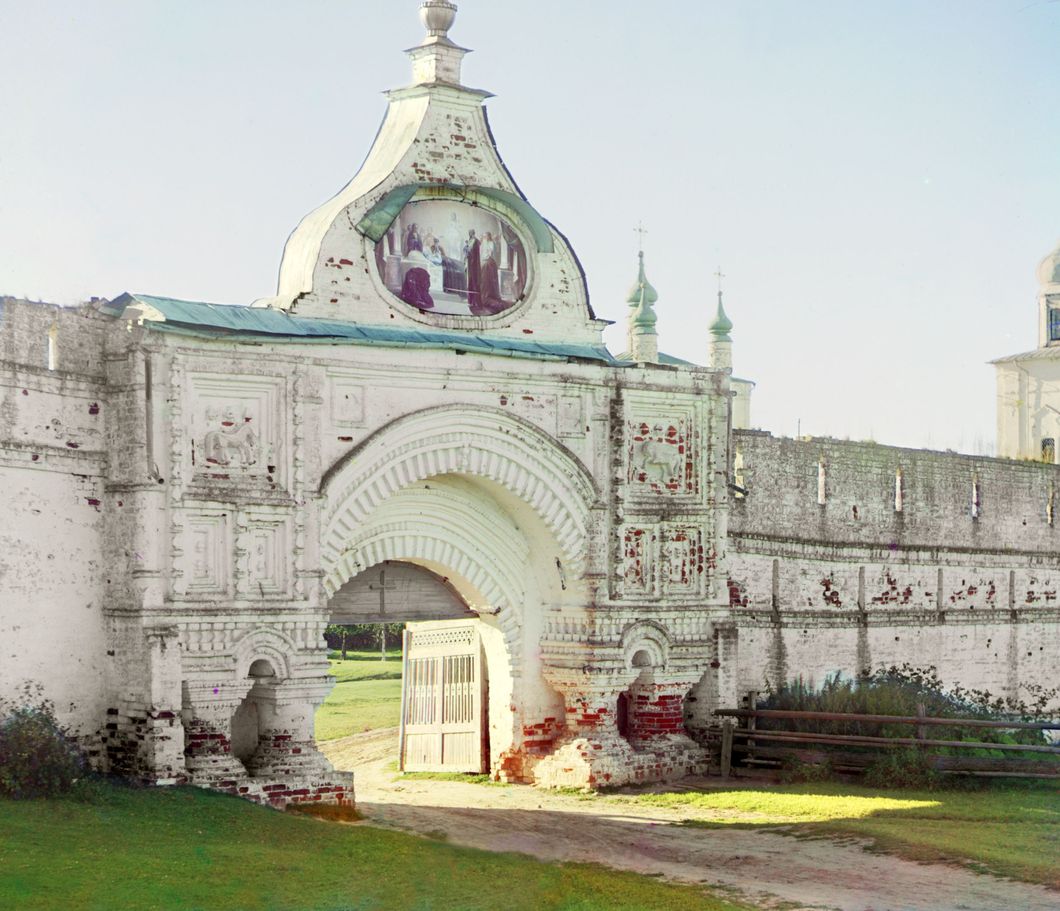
459 440
440 527
646 636
270 644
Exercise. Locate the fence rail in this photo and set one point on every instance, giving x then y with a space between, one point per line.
747 741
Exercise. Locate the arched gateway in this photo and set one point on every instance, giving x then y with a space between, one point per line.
427 402
428 396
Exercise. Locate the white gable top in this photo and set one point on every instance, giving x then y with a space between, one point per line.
433 230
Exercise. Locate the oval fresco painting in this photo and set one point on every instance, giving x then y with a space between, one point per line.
453 258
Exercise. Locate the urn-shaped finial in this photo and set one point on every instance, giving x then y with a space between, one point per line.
437 17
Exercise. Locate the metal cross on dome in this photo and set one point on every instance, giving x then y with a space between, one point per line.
719 275
641 230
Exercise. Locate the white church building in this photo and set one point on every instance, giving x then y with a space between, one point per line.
426 408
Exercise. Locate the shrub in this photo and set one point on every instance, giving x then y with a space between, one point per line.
898 691
795 771
902 691
37 758
908 768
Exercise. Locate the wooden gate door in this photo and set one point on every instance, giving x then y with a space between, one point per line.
442 696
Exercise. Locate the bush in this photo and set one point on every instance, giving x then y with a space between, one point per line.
898 691
901 691
908 768
795 771
37 758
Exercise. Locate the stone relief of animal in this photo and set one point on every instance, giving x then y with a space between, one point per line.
658 461
237 446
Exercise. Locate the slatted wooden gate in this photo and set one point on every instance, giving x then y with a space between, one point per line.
442 695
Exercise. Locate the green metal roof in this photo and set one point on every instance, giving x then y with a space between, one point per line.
722 325
642 290
265 324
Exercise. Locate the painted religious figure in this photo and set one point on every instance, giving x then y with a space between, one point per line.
453 258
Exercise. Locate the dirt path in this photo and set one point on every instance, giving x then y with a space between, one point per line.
764 867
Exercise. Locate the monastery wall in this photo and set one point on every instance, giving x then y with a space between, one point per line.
52 466
833 569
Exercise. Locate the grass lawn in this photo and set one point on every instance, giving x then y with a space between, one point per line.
188 849
367 695
1011 830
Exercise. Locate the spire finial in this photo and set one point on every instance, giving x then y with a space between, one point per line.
436 59
437 17
640 230
643 341
722 325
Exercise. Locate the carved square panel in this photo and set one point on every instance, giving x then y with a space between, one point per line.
639 561
347 402
662 450
268 555
204 566
684 560
666 454
571 418
238 427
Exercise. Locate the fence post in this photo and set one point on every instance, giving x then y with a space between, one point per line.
726 747
752 721
921 730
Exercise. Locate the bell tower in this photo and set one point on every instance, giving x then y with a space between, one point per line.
1028 384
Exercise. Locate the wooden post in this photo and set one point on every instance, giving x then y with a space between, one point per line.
726 747
752 720
921 730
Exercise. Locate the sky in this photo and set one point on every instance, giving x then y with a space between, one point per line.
878 182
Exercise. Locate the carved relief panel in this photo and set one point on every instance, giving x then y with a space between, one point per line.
202 559
266 571
239 430
686 563
668 560
639 566
664 454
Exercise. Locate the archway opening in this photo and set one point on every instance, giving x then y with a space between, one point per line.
381 688
633 709
246 724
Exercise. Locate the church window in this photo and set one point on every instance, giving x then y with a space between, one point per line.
1054 324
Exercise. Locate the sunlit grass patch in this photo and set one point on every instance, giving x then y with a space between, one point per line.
1012 831
768 807
365 666
357 706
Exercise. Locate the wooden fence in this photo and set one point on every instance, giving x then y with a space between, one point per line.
752 744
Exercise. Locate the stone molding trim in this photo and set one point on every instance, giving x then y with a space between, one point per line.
460 440
263 642
650 637
441 527
452 535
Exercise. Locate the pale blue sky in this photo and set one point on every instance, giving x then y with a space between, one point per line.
878 181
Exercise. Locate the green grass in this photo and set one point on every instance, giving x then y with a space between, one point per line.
366 697
186 849
1008 830
365 666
